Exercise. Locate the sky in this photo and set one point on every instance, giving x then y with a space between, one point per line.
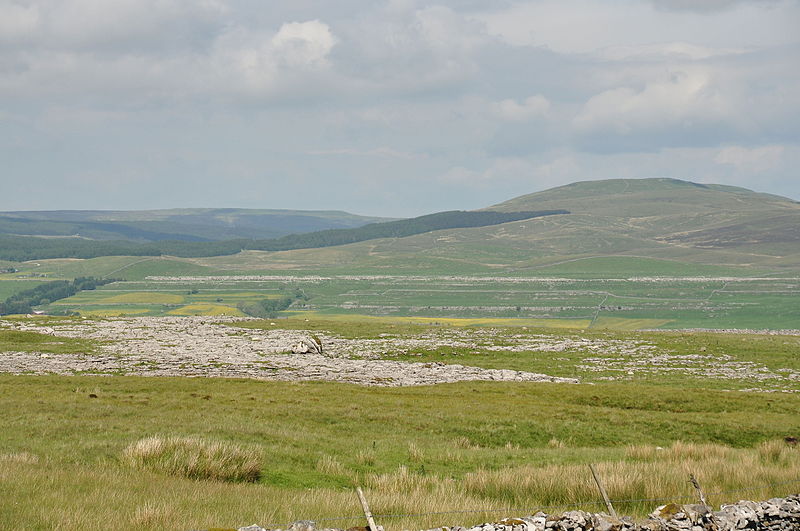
388 108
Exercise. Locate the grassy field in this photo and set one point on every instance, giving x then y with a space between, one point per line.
597 292
482 450
414 450
9 287
573 299
28 341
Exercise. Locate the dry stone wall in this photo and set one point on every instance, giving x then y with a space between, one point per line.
776 514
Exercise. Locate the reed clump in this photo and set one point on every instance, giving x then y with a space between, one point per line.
195 458
646 473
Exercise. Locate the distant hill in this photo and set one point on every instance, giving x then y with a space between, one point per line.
663 217
21 248
190 224
655 218
649 218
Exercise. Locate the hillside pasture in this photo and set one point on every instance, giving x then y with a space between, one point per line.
623 303
12 286
605 291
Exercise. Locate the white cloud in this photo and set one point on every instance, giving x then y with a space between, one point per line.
302 44
532 107
503 96
265 63
685 98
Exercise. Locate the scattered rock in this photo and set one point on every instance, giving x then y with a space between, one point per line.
203 346
303 525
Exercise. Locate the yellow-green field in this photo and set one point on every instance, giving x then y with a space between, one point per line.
114 300
444 321
200 308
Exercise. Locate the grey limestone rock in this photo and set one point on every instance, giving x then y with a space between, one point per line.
777 514
303 525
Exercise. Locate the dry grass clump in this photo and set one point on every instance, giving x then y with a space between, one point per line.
328 464
20 457
403 481
366 457
778 451
679 451
415 453
194 458
648 472
465 443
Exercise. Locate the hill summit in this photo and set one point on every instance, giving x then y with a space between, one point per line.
657 218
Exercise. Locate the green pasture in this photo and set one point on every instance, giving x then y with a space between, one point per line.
632 266
28 341
283 416
604 291
415 450
151 298
673 302
122 267
11 286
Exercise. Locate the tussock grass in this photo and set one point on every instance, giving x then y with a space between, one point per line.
20 457
103 495
330 465
323 439
194 458
366 457
647 472
415 453
778 452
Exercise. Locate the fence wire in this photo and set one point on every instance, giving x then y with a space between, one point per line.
528 510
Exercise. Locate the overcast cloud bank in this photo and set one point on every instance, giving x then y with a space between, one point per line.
389 108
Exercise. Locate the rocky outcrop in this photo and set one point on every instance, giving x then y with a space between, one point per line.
204 346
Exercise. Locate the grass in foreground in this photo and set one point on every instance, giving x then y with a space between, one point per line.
194 458
427 449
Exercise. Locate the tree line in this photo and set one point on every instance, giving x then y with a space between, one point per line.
25 301
269 308
21 248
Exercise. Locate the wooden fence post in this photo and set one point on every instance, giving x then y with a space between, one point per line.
703 500
367 512
696 486
610 507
